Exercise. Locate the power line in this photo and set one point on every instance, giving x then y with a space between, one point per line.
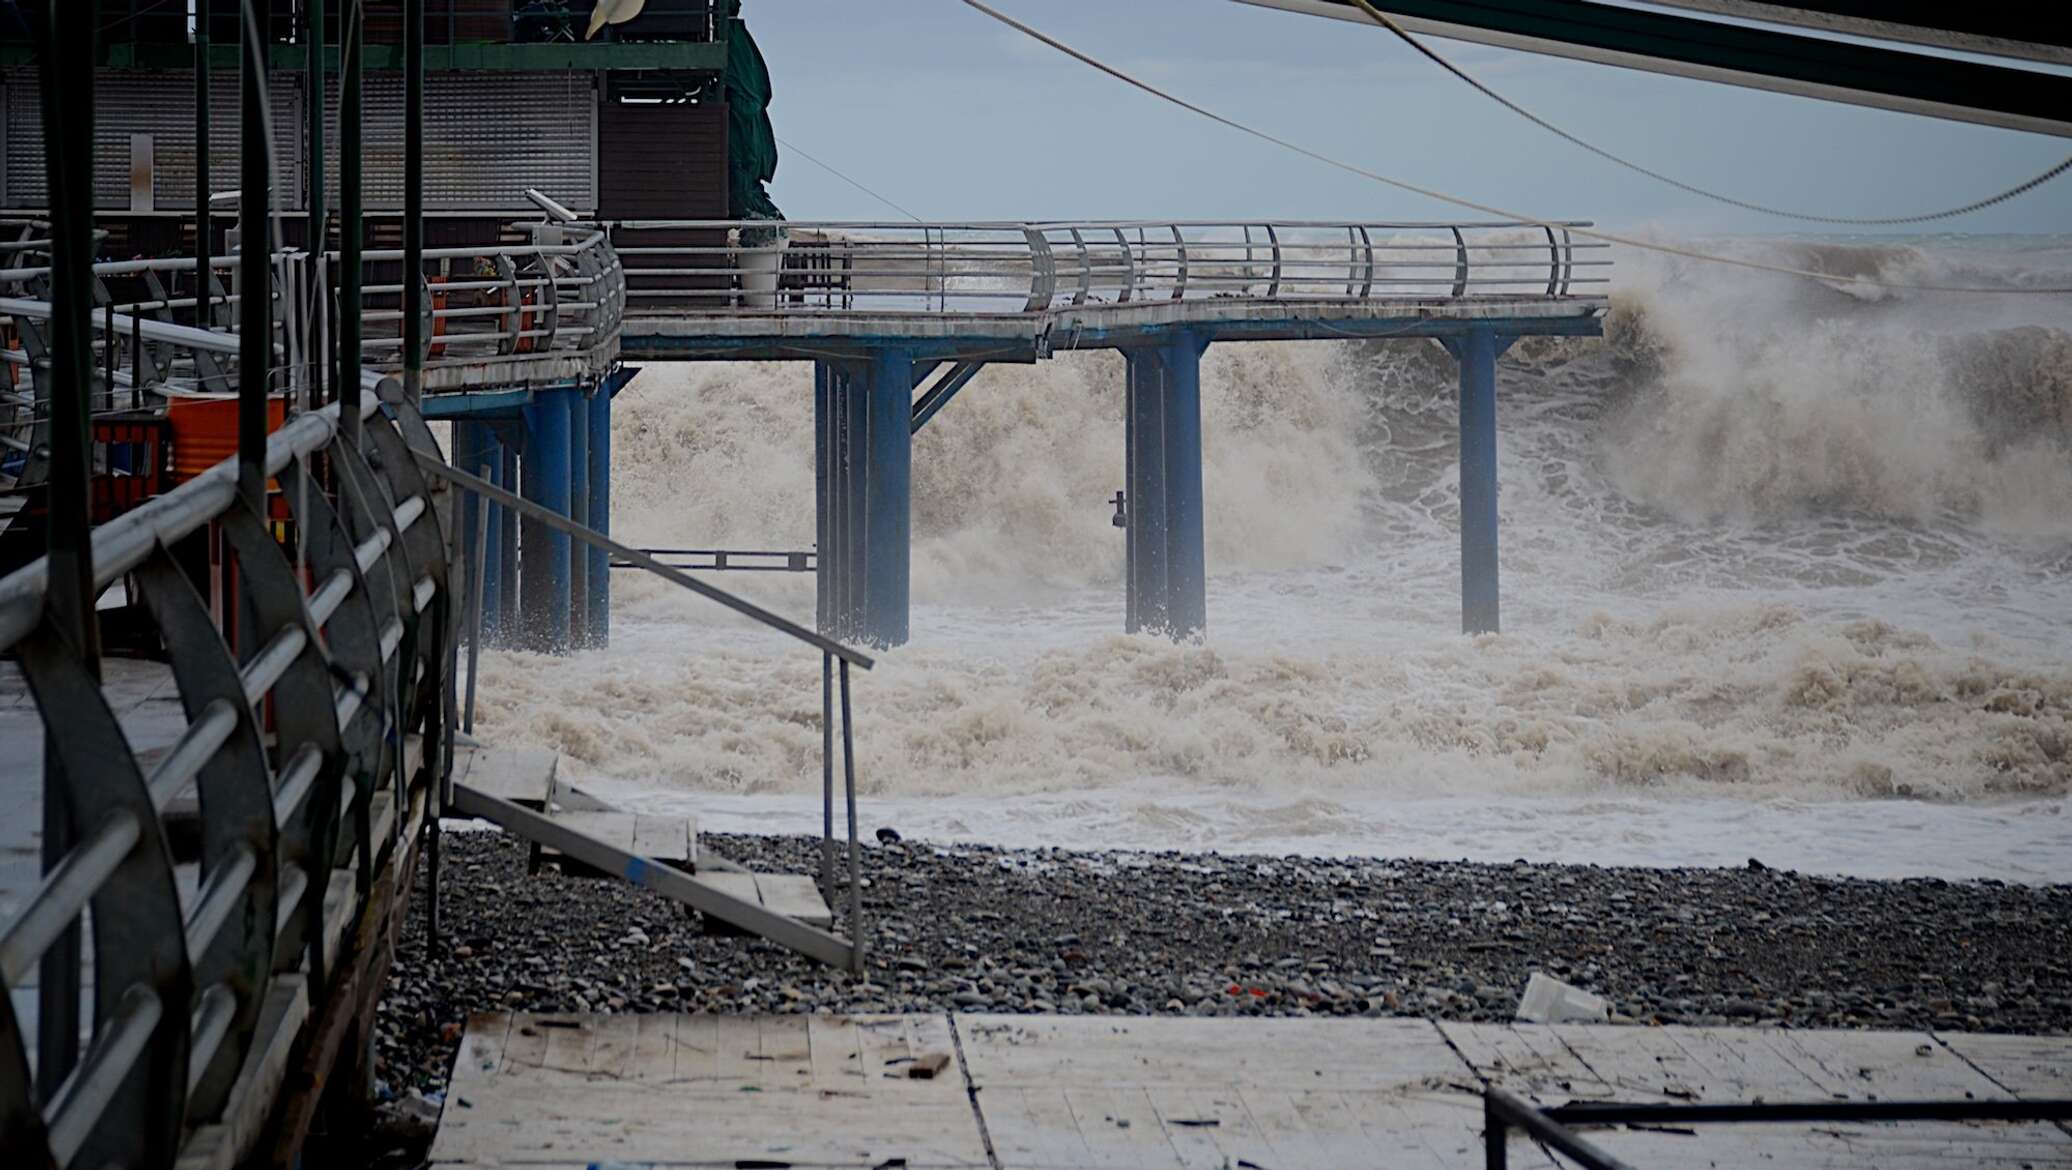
1459 201
846 179
1383 19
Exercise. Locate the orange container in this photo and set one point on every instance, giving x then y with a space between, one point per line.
204 430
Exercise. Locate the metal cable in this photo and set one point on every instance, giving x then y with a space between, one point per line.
1383 19
1486 209
852 182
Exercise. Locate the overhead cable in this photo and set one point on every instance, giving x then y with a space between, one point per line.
1472 205
846 179
1388 22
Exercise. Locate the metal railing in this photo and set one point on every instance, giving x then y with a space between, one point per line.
299 689
546 311
722 266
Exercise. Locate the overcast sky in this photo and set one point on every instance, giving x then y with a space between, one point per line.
954 116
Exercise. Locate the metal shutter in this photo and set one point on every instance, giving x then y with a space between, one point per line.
488 136
130 102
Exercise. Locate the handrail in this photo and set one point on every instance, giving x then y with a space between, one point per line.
595 539
286 745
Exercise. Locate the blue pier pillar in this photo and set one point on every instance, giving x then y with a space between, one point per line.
544 552
579 511
597 562
863 473
1477 352
1166 579
503 538
475 444
489 464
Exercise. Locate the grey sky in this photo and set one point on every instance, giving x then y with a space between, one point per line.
958 117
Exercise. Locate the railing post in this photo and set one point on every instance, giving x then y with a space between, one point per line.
350 226
68 94
255 269
413 199
203 254
318 236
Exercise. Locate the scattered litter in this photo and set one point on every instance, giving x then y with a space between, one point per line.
888 837
1195 1122
1548 1000
924 1068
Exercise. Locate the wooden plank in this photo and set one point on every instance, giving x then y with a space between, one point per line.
611 1052
794 895
667 838
2026 1066
1137 1050
569 1042
654 1049
814 1114
613 828
520 775
482 1043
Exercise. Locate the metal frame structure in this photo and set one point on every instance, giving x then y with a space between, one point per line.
1554 1126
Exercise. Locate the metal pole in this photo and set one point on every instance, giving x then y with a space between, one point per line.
827 774
203 254
887 498
255 272
413 199
318 237
855 855
600 565
1185 562
68 103
349 227
579 511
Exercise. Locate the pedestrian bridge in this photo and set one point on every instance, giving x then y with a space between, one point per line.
526 343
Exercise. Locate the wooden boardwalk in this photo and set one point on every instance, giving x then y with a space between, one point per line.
1049 1092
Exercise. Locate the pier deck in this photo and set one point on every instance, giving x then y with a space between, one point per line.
1027 1092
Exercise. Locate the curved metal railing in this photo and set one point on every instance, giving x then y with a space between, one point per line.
292 723
546 311
690 267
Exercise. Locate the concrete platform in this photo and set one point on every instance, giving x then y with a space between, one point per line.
1045 1092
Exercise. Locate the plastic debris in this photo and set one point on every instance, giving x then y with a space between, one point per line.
1548 1000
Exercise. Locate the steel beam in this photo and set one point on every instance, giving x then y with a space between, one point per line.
888 498
202 252
945 388
318 237
350 227
598 561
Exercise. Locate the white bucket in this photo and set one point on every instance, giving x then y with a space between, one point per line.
759 271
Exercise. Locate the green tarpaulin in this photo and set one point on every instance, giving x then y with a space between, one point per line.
751 139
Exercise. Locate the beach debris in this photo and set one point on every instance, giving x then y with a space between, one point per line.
1548 1000
926 1067
888 836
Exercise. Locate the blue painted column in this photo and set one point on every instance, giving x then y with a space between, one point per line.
597 561
492 454
888 498
1477 353
470 439
863 478
579 511
1187 601
543 552
504 538
1166 572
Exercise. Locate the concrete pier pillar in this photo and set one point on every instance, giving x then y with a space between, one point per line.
1477 352
863 414
578 405
597 562
1166 580
543 552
